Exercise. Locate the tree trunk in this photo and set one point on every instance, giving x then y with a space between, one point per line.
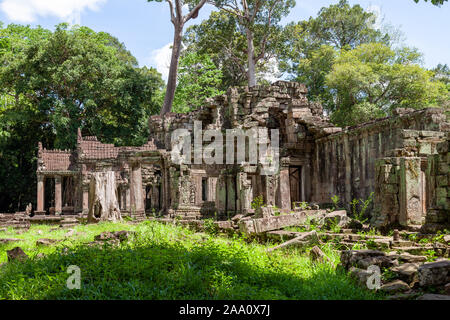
251 59
103 202
173 71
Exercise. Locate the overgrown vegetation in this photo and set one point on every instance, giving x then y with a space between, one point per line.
170 262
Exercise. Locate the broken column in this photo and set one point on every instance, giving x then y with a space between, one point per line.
58 194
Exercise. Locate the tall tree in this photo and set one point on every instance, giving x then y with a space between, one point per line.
178 20
312 45
435 2
198 80
254 14
51 83
373 79
224 41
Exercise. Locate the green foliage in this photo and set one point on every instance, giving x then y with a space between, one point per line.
359 208
224 37
312 45
373 79
211 227
300 205
435 2
257 202
334 226
198 79
348 63
335 199
431 255
219 38
52 83
169 262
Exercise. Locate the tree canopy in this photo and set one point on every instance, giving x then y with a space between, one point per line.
373 79
435 2
198 79
52 83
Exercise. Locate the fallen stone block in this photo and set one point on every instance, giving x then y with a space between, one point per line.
110 236
6 241
430 296
70 233
318 255
336 217
434 273
306 239
16 254
380 261
395 286
407 272
447 239
360 275
237 218
46 242
447 289
272 223
404 296
350 258
225 225
407 258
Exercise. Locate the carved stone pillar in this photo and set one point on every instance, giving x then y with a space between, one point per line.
245 192
137 201
58 194
285 188
85 209
40 194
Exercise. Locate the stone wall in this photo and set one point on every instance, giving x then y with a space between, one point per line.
318 160
345 162
438 176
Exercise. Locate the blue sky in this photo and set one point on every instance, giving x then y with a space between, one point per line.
147 32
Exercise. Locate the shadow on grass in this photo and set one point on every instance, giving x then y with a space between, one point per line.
150 269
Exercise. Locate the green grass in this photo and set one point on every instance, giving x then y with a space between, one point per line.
169 262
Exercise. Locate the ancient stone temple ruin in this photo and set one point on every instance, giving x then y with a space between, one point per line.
403 160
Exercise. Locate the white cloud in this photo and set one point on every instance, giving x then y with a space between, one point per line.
27 11
160 59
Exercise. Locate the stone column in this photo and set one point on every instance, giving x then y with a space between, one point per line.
285 187
244 192
137 201
40 193
348 170
58 194
127 198
85 208
221 193
409 192
212 181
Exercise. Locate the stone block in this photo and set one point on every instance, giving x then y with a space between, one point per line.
443 167
425 148
410 133
395 286
434 273
442 181
390 188
272 223
350 258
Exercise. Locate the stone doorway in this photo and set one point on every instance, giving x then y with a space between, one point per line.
295 183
